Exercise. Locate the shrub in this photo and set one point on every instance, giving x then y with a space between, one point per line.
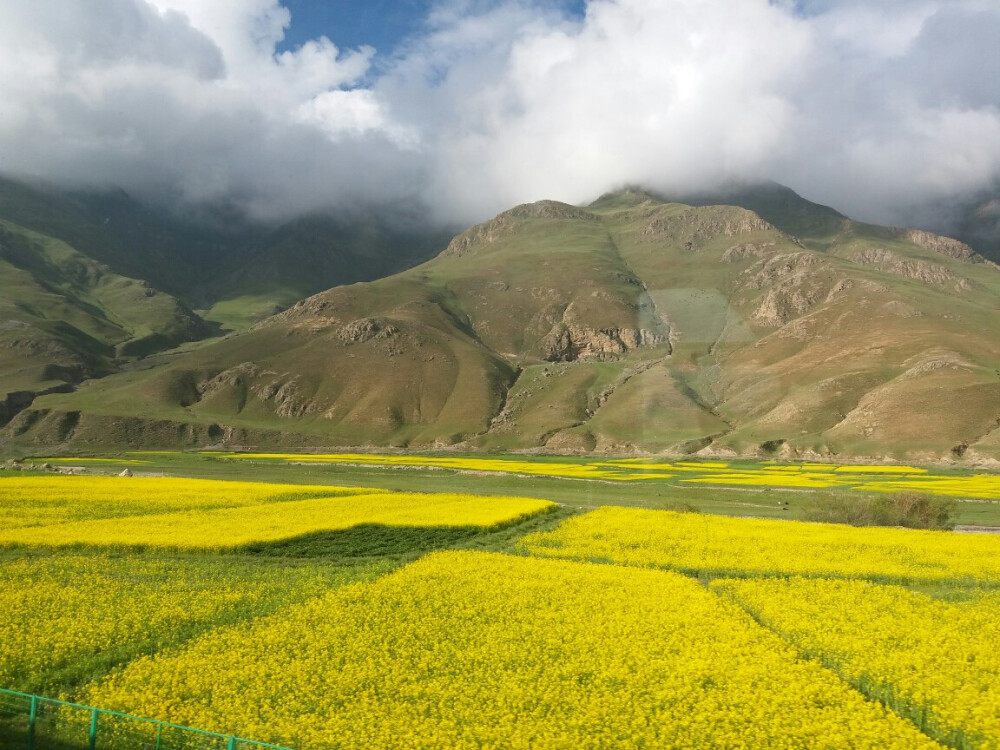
907 509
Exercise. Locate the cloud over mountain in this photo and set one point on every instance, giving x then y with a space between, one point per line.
881 109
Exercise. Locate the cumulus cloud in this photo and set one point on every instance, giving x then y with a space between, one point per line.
883 110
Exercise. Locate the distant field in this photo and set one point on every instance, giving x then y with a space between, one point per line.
310 615
768 489
863 477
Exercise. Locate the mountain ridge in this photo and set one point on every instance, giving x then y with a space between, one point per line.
630 325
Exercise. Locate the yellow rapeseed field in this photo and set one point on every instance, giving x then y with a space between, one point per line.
983 486
920 653
229 528
771 478
58 614
478 650
37 501
458 463
868 477
695 542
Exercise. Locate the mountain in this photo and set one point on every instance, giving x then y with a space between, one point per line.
278 266
980 225
92 282
632 324
65 317
231 269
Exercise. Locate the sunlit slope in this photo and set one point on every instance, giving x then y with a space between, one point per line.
880 344
332 366
633 324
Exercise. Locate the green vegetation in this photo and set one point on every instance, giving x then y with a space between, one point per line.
633 324
904 509
760 500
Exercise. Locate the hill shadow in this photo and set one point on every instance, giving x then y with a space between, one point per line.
382 540
367 540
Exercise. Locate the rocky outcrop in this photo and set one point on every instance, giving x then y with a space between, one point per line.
740 253
932 362
568 343
288 396
923 271
235 377
795 283
787 267
694 226
365 329
944 245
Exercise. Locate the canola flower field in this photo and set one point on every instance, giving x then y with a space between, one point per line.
894 639
721 545
612 628
806 476
231 528
40 501
62 617
469 649
206 514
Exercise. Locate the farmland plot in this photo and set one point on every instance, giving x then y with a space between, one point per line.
468 649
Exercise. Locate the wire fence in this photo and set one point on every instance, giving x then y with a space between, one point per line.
30 722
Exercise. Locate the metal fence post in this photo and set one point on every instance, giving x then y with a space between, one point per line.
93 730
32 715
60 708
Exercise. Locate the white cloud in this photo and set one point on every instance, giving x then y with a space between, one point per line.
669 99
876 108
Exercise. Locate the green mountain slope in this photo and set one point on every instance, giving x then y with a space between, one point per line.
634 324
277 267
232 270
65 318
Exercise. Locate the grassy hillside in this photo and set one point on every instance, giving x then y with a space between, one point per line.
65 317
233 270
634 324
278 267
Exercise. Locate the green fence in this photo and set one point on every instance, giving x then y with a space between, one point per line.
30 722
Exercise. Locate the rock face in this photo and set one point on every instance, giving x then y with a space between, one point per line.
793 284
691 228
365 329
569 343
923 271
944 245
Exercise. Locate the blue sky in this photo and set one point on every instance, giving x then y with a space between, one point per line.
381 24
352 23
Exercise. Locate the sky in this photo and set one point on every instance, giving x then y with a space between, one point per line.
888 111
